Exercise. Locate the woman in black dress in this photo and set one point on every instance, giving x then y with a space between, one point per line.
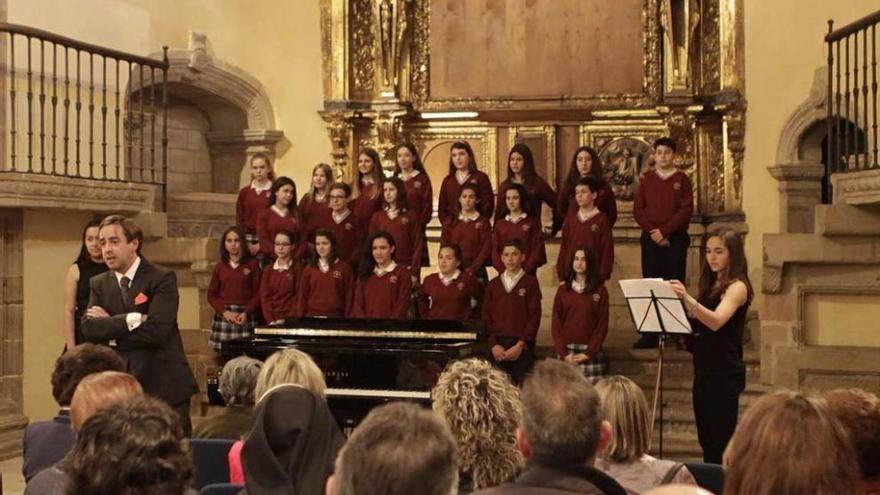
718 317
76 283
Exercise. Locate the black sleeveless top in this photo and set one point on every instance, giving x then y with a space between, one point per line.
719 354
87 270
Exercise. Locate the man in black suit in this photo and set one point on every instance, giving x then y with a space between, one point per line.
133 308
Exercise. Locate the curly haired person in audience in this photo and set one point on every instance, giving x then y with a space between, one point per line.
859 412
94 392
482 408
135 447
626 457
790 444
399 449
237 381
46 442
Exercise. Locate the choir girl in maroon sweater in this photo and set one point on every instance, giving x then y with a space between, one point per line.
314 203
345 226
512 313
586 226
521 170
367 185
234 290
518 222
384 288
580 315
283 214
450 294
463 170
278 288
253 199
470 231
585 163
327 285
399 221
419 191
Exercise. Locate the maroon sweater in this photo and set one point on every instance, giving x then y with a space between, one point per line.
408 236
311 212
448 302
420 197
528 231
350 234
248 207
326 294
579 319
605 201
595 233
270 223
363 207
278 293
239 285
539 192
474 239
664 204
450 190
514 314
387 296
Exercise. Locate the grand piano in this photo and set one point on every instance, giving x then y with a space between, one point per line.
368 361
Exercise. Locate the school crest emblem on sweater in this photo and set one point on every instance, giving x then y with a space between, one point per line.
404 220
521 292
459 286
348 226
478 225
337 274
393 279
676 186
596 297
417 185
246 271
594 227
526 227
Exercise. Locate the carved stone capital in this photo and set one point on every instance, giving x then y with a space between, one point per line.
339 128
857 188
23 190
798 172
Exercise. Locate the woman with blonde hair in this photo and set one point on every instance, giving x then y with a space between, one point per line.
482 408
790 444
626 457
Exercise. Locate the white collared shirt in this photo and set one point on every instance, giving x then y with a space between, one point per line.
367 181
234 264
407 176
261 189
469 218
515 219
132 320
340 217
281 213
584 215
450 279
319 197
578 287
510 281
665 174
323 265
281 268
379 271
392 213
462 176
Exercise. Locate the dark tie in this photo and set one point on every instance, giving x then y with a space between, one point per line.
124 284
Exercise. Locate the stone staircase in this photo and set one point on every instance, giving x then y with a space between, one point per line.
679 430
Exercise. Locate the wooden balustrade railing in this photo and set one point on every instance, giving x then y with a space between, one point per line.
84 111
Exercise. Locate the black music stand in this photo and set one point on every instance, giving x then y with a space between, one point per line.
663 314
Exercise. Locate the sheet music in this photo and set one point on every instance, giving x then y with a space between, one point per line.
669 307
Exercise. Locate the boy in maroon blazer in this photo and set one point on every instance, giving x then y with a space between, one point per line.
512 313
586 226
663 207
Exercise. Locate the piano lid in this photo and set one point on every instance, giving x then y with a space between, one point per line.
374 329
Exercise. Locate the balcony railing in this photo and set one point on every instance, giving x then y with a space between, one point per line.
83 111
851 143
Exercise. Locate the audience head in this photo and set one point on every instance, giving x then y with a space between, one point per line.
859 413
91 244
292 445
788 444
677 489
238 379
562 417
399 449
289 367
75 364
98 391
482 409
624 406
134 447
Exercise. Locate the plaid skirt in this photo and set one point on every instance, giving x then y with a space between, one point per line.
222 330
595 368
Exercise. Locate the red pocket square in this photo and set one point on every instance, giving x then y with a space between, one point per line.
141 298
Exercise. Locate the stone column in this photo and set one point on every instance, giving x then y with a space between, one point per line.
12 422
800 190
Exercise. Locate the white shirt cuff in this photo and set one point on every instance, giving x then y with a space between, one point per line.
133 320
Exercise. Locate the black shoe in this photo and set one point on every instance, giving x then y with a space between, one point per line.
647 342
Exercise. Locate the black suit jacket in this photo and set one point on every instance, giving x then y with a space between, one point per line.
153 352
45 443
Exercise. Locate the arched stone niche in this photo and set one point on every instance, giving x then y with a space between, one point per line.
218 117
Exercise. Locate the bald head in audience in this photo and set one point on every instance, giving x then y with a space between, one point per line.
677 490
